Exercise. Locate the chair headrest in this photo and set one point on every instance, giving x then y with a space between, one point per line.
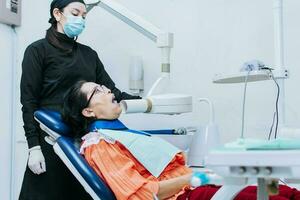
52 119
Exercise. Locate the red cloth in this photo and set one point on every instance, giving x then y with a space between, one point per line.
249 193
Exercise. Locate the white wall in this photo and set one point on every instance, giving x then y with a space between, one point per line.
211 36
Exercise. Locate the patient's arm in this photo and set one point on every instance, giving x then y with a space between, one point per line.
172 186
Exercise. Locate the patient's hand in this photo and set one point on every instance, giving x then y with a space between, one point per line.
36 160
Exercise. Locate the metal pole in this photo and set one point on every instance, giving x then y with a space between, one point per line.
13 112
262 193
279 57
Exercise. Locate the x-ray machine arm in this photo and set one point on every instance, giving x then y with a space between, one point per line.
163 40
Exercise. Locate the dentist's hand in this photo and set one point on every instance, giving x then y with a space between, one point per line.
36 160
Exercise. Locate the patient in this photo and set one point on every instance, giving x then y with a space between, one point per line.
86 102
127 178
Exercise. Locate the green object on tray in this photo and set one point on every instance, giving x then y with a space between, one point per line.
256 144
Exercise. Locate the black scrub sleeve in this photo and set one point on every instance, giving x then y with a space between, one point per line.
31 83
104 79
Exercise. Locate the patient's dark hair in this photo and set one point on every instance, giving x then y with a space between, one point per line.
74 102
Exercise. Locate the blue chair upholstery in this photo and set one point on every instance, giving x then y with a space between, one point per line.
108 124
53 121
113 125
88 174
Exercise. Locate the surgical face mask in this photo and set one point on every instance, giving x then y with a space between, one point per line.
74 26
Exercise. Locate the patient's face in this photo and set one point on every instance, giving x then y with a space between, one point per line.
102 103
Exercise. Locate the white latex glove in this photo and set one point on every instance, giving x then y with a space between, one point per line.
36 160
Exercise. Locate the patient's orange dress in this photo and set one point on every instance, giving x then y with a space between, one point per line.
127 178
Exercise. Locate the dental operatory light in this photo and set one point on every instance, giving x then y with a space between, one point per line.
154 102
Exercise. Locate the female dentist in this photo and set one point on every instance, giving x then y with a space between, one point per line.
50 66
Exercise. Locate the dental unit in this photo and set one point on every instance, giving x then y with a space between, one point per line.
248 161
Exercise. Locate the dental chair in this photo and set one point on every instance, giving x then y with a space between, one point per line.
67 149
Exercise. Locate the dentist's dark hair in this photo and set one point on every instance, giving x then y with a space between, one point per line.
74 102
60 4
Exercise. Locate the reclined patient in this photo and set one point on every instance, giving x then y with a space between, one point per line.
129 174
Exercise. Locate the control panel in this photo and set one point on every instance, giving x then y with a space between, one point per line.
255 163
10 12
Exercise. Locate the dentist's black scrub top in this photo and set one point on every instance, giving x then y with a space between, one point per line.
47 72
50 66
